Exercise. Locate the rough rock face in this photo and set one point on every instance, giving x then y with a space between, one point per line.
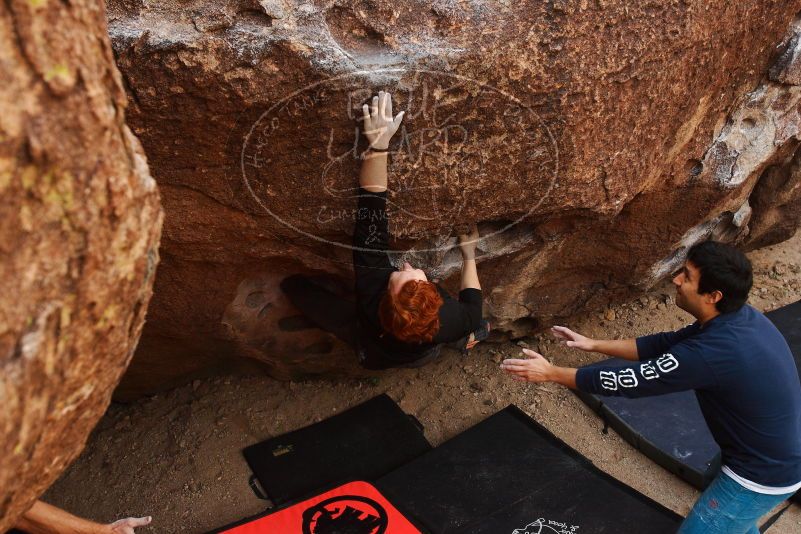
591 141
79 229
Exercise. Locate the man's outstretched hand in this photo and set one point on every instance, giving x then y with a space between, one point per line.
573 339
534 369
379 124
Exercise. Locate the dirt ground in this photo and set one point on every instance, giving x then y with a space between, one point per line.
177 456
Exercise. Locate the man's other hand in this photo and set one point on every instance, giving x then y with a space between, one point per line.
573 339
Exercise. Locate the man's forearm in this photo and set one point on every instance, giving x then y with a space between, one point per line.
373 174
43 518
619 348
469 274
565 376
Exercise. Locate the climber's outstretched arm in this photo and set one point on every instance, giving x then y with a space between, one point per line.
379 127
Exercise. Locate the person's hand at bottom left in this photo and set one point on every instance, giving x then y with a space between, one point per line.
127 525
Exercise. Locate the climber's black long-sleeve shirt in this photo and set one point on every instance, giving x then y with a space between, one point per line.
746 382
372 268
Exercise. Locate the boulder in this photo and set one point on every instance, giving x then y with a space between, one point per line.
79 229
591 141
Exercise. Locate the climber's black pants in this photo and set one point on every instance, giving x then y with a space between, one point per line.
336 314
327 310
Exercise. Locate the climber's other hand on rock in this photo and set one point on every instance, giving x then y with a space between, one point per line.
468 243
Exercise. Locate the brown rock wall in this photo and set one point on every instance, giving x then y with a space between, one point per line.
79 229
590 141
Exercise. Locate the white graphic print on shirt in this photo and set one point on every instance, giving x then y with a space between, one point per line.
627 378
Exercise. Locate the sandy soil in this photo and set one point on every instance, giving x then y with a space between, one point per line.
177 456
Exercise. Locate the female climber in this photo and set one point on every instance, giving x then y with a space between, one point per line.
400 319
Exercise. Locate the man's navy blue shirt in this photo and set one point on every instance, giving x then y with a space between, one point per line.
746 382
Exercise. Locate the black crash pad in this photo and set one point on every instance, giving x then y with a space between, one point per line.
788 320
670 429
509 474
361 443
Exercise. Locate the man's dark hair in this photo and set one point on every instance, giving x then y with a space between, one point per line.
723 268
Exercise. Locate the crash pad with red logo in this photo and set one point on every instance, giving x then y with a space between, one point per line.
353 507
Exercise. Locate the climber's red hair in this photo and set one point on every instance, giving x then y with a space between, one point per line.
412 315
